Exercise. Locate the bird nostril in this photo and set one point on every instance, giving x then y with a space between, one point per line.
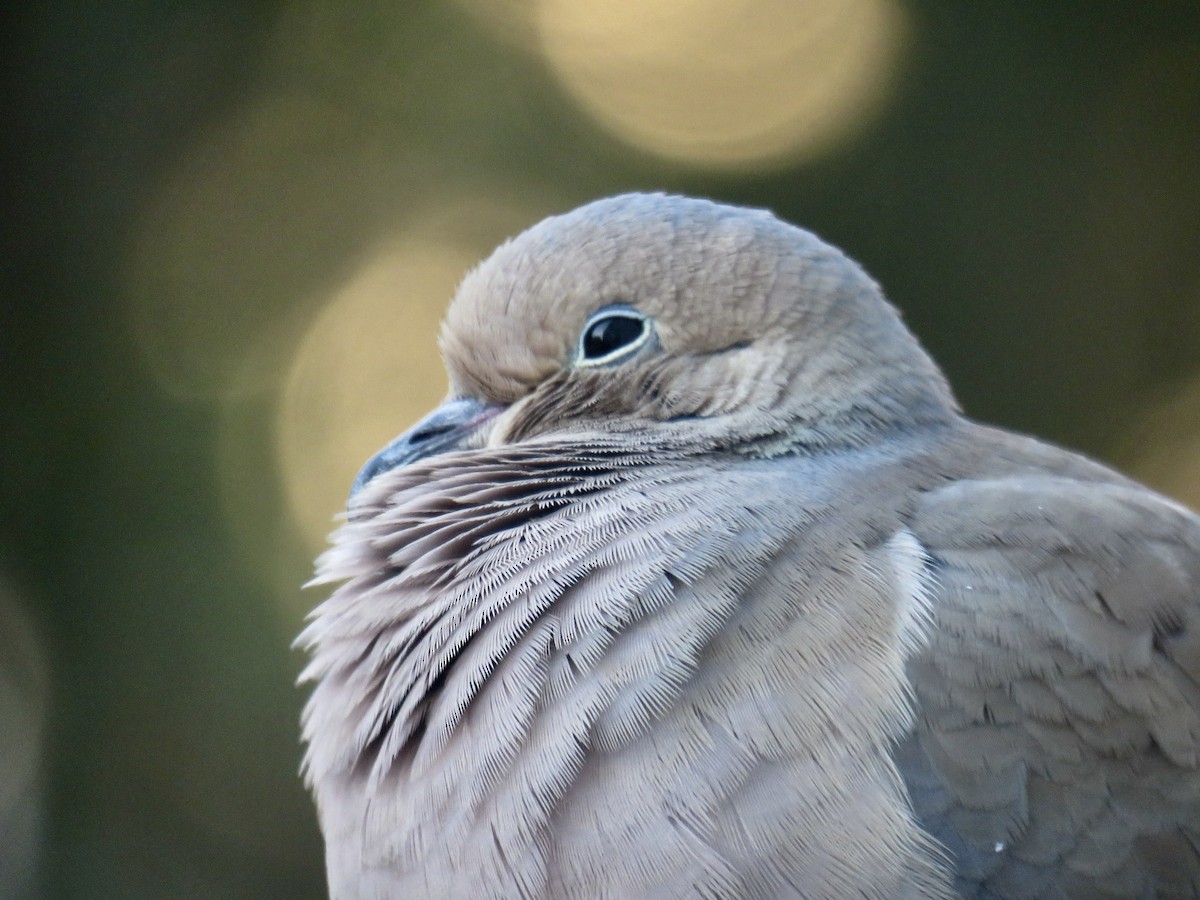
425 434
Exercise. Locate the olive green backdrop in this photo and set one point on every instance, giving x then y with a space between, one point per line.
227 231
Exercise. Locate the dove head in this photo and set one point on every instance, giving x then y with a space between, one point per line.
680 319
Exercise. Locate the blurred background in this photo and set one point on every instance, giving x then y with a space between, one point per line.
228 231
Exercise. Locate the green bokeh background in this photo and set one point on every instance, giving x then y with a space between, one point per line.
1029 196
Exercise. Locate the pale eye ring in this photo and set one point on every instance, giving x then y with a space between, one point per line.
613 334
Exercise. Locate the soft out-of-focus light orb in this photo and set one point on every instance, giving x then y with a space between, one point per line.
239 235
512 21
369 365
725 83
24 691
267 540
367 368
1164 449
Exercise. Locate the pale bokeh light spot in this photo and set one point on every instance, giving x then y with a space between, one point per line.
268 541
724 83
261 208
512 21
365 367
369 366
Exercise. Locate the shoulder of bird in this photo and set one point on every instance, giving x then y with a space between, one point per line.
699 584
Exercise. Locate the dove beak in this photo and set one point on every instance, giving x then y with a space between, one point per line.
449 427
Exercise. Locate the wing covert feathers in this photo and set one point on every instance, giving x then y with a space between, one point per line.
1059 725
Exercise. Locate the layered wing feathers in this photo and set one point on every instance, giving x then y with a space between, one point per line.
1057 748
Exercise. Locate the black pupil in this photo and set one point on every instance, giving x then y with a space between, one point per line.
609 334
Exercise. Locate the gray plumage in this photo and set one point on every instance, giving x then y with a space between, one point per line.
743 607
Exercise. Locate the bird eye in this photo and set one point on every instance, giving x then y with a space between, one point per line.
612 334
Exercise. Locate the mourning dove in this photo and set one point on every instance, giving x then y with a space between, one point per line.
700 585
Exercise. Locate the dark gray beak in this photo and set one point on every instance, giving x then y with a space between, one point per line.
446 428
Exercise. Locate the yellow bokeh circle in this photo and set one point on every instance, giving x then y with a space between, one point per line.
724 83
367 369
